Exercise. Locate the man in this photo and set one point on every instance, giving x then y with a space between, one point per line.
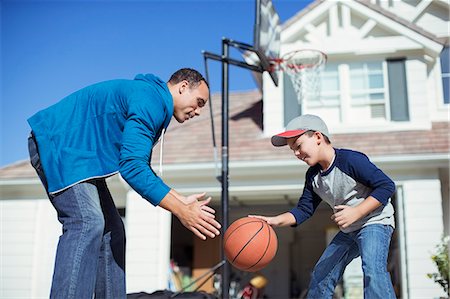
96 132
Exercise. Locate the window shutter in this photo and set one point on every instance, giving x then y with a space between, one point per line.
445 70
398 93
292 108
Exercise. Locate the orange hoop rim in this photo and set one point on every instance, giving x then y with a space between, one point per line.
279 64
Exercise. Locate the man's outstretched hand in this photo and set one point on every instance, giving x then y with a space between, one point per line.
193 212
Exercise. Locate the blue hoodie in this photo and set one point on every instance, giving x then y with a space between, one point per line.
103 129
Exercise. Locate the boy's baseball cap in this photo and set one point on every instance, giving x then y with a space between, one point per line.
300 125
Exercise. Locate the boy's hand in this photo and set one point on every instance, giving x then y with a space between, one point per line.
284 219
346 215
269 220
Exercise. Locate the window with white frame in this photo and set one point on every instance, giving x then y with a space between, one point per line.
367 87
330 87
351 91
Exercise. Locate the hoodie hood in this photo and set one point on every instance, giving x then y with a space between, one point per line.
161 86
164 91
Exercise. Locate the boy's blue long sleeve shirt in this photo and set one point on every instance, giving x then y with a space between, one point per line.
348 181
103 129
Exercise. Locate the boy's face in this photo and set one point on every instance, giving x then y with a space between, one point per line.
306 148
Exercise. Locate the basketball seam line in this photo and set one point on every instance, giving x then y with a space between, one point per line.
240 225
265 251
243 247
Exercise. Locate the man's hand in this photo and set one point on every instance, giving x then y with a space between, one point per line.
199 217
193 212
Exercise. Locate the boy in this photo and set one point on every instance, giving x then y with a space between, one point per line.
359 194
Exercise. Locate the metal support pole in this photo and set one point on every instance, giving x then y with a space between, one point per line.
226 61
225 114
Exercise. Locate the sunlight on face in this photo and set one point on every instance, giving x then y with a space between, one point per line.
190 101
305 148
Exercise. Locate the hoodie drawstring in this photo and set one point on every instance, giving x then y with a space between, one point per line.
161 147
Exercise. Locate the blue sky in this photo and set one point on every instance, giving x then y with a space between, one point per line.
50 49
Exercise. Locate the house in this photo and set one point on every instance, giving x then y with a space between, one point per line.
384 92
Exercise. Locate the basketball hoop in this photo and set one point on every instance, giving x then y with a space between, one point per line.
303 67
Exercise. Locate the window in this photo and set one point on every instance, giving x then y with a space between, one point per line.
367 87
374 91
330 88
445 70
353 89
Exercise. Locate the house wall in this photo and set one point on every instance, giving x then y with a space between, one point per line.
273 105
423 229
432 15
29 235
416 74
148 245
444 176
30 230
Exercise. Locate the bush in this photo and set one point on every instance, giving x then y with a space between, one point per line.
440 258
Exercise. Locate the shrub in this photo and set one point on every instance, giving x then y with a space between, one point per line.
440 258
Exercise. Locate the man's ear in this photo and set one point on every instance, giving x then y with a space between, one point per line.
183 86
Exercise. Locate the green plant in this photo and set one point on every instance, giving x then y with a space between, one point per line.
440 258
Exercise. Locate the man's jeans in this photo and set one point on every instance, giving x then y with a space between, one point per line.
372 244
90 258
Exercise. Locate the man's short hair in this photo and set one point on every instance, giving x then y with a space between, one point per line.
193 77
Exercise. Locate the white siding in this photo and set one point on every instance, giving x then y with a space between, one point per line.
401 8
424 228
29 236
273 105
435 19
431 15
416 74
148 245
438 110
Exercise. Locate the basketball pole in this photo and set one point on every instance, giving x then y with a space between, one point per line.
226 61
225 162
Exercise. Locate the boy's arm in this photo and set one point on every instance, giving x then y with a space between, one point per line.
285 219
307 205
348 215
367 173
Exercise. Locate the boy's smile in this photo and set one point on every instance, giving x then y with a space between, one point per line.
304 148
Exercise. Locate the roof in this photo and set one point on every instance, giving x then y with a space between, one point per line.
191 142
378 9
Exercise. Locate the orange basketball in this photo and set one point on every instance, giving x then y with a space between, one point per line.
250 244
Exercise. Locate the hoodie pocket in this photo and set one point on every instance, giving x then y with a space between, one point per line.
79 164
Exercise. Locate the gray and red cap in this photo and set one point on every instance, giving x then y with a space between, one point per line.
299 126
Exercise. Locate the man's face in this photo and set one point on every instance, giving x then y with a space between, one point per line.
189 101
305 148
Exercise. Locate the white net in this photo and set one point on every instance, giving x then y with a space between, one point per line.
304 67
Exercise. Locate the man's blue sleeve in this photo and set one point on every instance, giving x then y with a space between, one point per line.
144 121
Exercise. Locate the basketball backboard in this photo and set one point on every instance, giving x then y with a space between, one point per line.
267 31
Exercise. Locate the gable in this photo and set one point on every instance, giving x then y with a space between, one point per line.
433 16
351 27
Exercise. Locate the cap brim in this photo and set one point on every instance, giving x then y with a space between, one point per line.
281 139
